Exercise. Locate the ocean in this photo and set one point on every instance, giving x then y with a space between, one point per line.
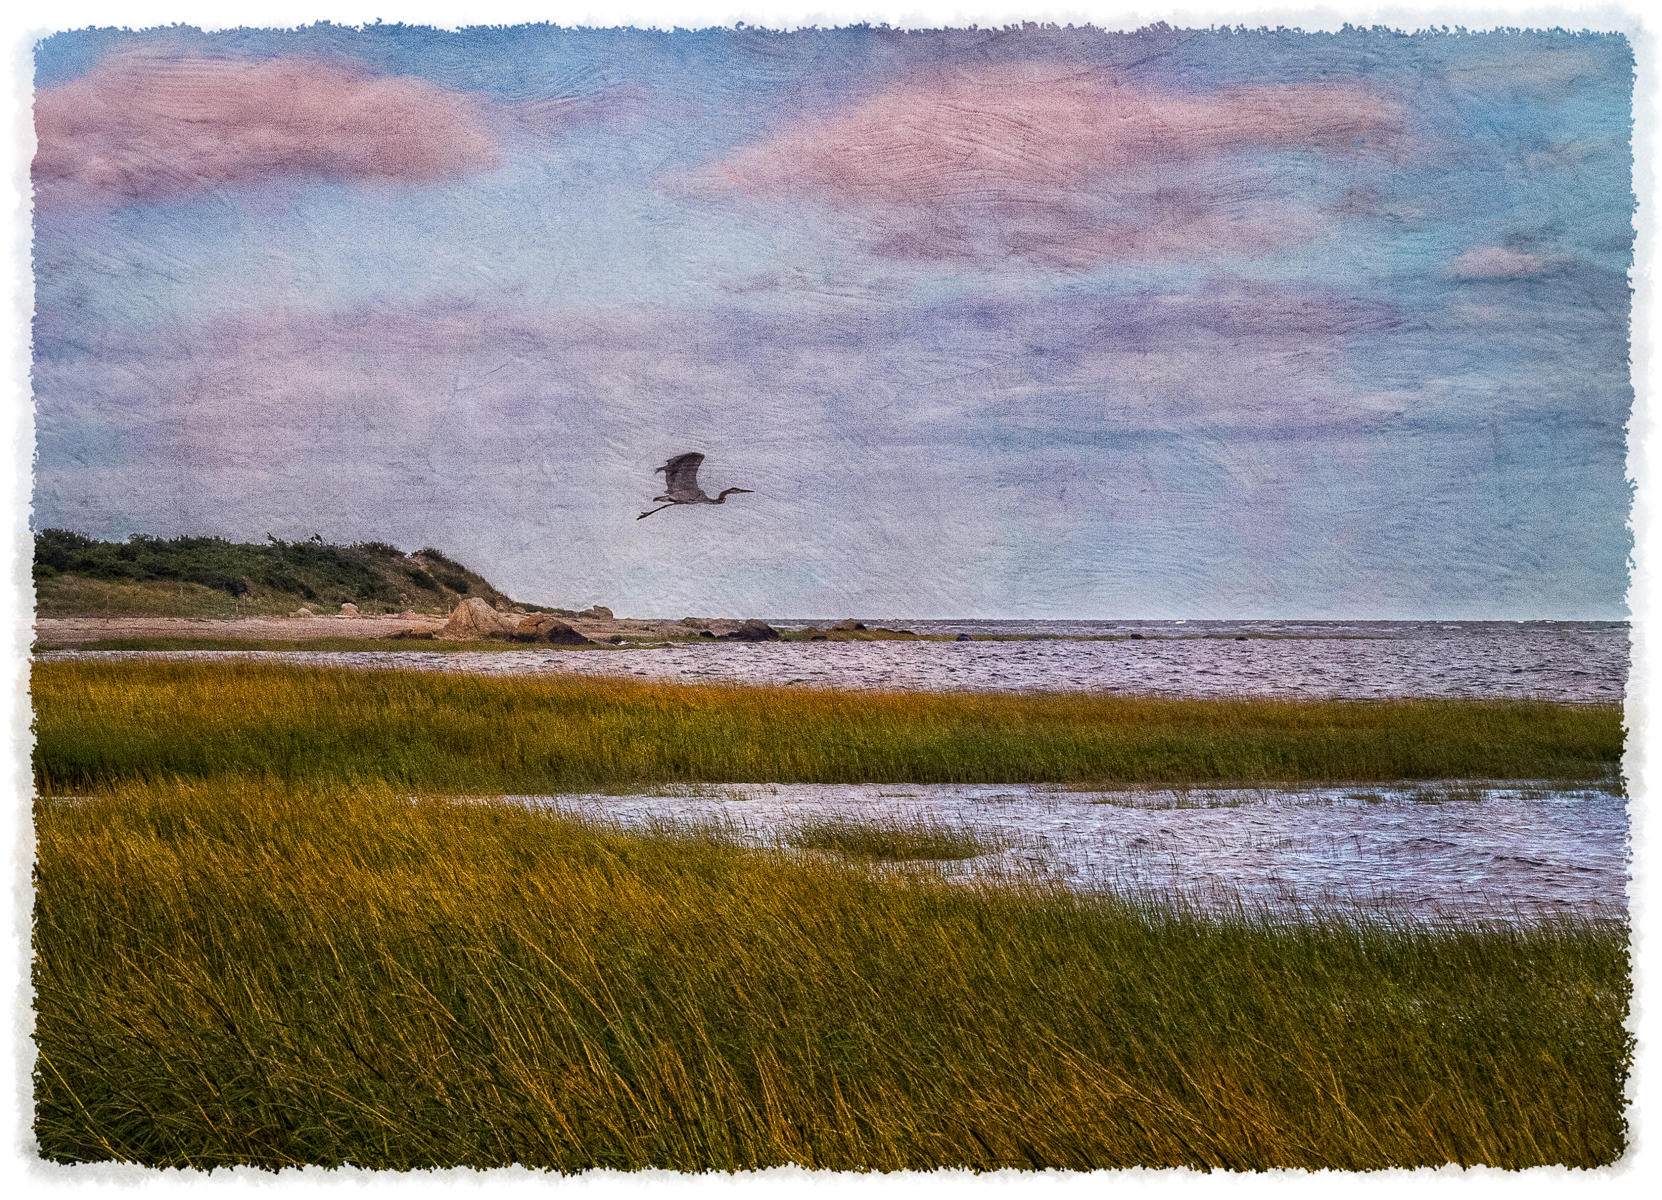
1554 660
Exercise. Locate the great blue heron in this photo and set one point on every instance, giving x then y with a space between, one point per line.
681 485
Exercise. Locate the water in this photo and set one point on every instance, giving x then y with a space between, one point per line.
1574 661
1499 852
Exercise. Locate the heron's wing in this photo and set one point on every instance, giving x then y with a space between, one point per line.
681 474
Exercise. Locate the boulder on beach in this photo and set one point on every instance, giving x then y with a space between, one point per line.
540 627
695 623
847 626
962 637
754 631
705 633
597 612
474 618
349 609
302 612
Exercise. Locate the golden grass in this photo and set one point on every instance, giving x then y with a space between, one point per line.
246 971
99 721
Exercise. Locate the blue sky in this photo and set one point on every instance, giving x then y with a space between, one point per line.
1010 323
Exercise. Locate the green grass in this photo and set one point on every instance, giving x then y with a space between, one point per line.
254 945
66 594
242 971
99 722
894 840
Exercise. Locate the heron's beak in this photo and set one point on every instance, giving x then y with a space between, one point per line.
738 489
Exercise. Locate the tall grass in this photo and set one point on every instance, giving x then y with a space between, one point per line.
241 971
99 722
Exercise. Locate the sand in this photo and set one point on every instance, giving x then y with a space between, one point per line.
74 631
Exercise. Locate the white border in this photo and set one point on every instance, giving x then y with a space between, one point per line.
25 1174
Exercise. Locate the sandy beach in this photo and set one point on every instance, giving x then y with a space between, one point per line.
76 630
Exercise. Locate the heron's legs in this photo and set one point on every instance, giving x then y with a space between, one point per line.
650 511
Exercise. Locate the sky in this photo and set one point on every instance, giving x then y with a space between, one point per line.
1009 323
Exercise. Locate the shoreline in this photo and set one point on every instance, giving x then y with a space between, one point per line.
81 628
76 630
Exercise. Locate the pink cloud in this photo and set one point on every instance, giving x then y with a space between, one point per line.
1497 262
147 126
1075 166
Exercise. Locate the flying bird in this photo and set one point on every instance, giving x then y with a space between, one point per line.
681 485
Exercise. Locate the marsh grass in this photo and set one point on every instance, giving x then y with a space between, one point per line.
898 839
99 722
1457 791
252 971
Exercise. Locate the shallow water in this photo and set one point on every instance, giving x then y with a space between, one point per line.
1576 661
1510 852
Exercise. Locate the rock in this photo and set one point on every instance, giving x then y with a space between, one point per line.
846 626
705 633
755 631
349 609
962 637
517 610
540 627
819 637
1136 637
474 618
1240 637
302 612
597 612
695 623
404 634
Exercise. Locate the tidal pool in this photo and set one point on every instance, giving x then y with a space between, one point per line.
1463 850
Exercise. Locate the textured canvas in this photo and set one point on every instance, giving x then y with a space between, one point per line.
1028 323
626 430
